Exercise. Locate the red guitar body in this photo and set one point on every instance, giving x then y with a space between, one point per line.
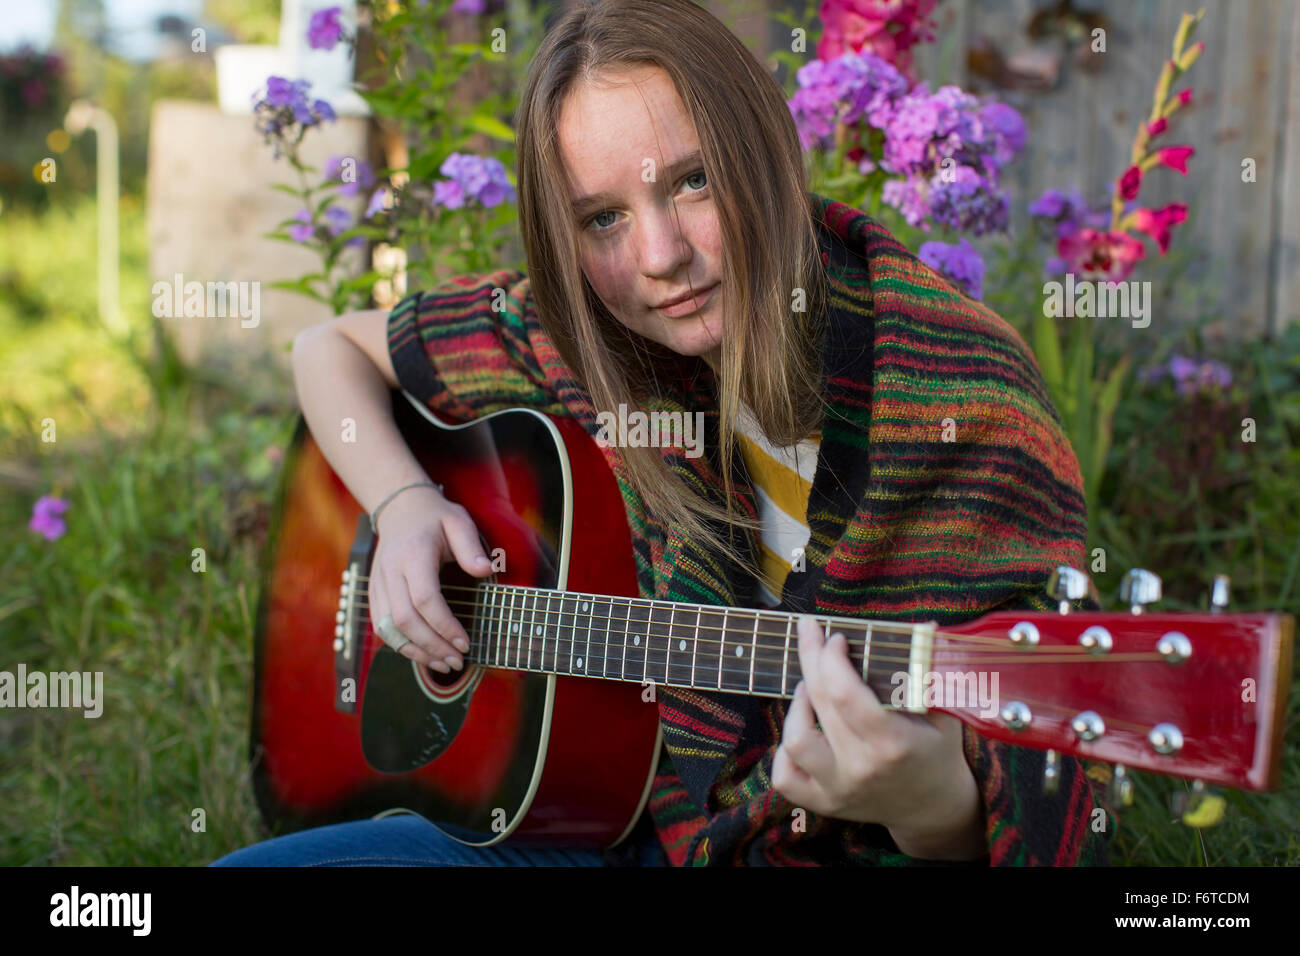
487 754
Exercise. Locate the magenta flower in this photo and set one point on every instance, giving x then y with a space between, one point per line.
469 6
1130 183
47 517
324 31
1159 223
887 28
1094 254
1175 157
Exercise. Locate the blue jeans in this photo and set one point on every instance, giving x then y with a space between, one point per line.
410 840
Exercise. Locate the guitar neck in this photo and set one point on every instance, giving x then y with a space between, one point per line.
674 644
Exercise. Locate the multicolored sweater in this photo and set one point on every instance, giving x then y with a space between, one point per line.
905 526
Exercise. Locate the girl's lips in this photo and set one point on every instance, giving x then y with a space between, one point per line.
690 305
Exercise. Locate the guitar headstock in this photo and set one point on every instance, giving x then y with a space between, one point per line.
1197 695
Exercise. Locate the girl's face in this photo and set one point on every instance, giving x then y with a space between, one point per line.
643 208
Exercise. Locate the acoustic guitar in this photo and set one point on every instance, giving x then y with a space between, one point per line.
550 733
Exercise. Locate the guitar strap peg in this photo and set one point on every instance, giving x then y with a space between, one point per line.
1121 787
1052 773
1199 807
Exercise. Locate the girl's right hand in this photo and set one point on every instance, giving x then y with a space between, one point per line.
419 532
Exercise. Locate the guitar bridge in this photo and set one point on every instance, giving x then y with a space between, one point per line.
350 622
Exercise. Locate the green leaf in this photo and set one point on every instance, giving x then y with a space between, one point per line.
491 126
1047 349
285 188
1107 401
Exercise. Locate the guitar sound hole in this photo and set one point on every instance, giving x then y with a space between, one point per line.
446 680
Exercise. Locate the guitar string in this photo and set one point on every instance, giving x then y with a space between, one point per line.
763 616
1062 654
1039 706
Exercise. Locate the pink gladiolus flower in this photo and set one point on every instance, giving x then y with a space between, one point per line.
1130 183
1175 157
1159 223
1158 127
1094 254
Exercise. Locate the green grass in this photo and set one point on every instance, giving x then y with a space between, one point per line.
157 461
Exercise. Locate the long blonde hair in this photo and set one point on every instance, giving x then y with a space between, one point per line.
773 282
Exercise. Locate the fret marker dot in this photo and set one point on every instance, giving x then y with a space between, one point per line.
637 640
585 606
681 646
514 628
740 651
539 629
579 662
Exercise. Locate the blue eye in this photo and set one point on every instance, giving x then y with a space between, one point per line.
591 222
603 212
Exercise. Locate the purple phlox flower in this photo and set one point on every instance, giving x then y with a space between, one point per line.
845 90
1070 211
360 175
448 194
47 517
1008 131
909 133
482 178
377 203
324 30
284 98
338 219
1188 374
469 6
305 230
959 263
1050 205
968 202
284 92
908 196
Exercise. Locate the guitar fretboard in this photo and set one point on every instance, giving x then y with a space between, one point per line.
737 650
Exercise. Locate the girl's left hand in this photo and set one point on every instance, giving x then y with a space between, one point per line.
904 771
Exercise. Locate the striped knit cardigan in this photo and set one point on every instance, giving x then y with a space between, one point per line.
905 526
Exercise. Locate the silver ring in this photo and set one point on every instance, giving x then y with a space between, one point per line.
387 630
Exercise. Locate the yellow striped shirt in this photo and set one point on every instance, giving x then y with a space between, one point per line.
782 478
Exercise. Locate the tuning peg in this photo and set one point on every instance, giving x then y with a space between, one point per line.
1121 787
1052 773
1199 807
1067 585
1219 594
1139 588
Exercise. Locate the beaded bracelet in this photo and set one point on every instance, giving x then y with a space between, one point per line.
374 517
